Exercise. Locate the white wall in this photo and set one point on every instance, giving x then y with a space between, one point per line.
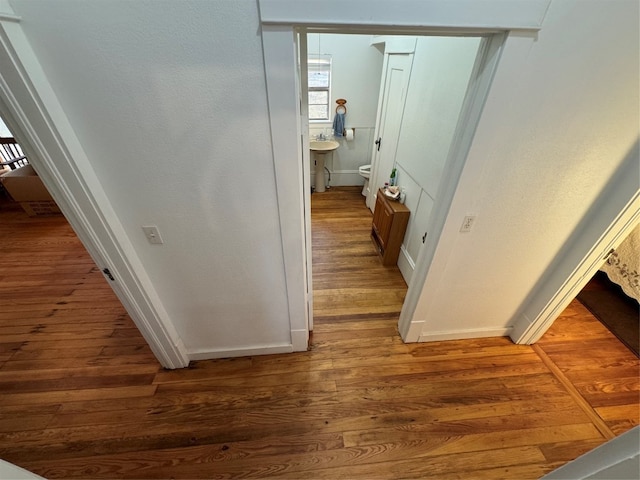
4 131
169 104
560 120
356 67
439 77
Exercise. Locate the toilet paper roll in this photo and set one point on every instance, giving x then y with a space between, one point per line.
349 135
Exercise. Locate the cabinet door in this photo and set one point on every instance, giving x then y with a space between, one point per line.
377 213
382 219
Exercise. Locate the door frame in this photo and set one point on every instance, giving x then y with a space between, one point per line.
303 89
287 142
419 17
31 110
279 21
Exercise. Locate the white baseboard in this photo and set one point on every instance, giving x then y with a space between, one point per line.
240 352
522 326
342 178
299 340
465 334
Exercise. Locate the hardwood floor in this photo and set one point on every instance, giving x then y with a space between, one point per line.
81 396
347 273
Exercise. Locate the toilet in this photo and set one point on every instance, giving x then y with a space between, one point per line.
365 172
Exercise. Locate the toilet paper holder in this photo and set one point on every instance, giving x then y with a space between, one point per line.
349 134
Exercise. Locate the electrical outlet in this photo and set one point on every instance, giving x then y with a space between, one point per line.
153 234
467 223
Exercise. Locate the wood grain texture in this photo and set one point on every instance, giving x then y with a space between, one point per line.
81 395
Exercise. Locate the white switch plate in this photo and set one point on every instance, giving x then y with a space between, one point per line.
467 223
153 234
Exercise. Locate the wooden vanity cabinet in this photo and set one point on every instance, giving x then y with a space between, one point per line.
390 219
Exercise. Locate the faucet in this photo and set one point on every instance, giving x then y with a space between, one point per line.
321 137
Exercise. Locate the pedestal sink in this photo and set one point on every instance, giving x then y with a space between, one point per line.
320 148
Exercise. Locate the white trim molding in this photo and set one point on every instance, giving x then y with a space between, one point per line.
241 352
464 334
31 109
300 340
477 15
284 112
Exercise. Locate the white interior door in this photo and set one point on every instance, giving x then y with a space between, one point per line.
395 85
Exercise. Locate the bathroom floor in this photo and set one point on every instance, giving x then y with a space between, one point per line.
347 272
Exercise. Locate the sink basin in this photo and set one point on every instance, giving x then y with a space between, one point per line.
323 146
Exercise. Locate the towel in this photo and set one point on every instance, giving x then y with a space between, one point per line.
338 124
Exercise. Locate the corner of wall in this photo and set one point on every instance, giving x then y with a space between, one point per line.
410 332
521 328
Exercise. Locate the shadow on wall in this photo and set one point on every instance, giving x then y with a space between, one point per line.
613 199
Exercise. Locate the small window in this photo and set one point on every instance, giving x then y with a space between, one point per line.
319 87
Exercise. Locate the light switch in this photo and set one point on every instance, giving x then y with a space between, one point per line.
467 223
153 234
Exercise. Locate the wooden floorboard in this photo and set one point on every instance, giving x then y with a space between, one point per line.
81 395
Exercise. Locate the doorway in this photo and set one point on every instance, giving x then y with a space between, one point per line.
91 224
350 284
424 88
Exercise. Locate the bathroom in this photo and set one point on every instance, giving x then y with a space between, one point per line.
356 67
420 119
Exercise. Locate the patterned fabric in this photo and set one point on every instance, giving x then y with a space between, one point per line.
623 265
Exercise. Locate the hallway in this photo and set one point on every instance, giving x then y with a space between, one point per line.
82 396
